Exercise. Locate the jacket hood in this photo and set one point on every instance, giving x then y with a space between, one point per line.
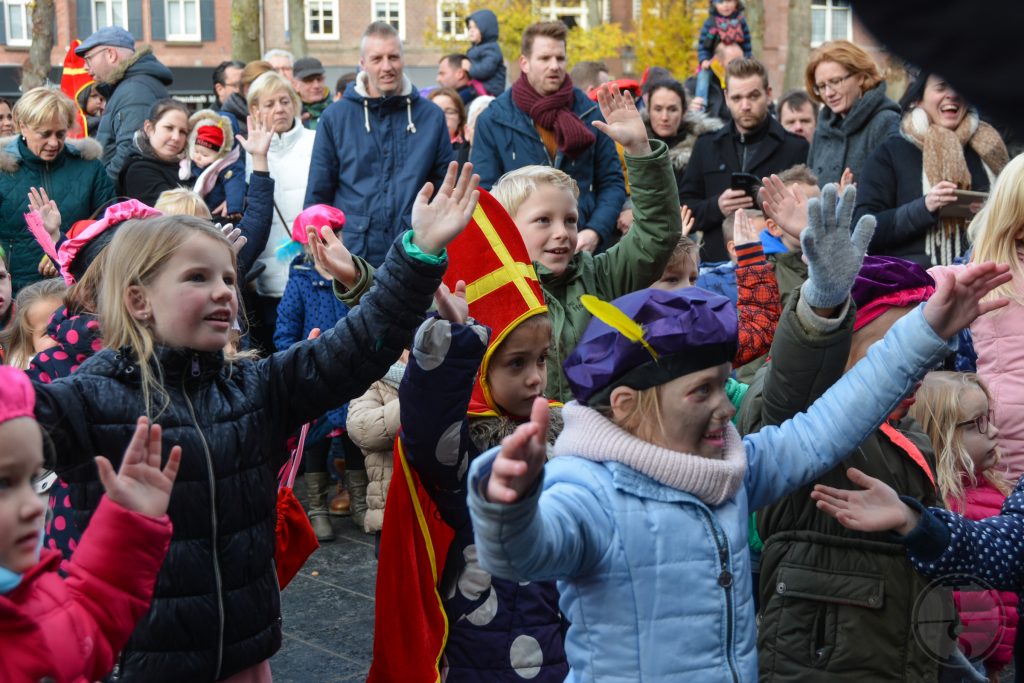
487 22
142 63
360 91
488 432
863 111
11 154
694 125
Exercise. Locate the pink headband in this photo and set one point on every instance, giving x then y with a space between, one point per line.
17 396
115 214
898 299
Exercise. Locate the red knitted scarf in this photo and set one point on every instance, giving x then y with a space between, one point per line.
554 112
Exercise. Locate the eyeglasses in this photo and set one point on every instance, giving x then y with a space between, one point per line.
832 84
94 53
980 423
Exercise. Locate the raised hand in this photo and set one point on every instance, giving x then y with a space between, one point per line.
233 235
787 207
845 180
876 508
452 306
958 298
257 144
140 485
834 256
521 458
39 202
437 222
743 230
687 219
331 256
587 240
622 122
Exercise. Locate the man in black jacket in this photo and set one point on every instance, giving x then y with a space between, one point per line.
753 142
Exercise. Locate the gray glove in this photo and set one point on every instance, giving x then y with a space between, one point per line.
834 256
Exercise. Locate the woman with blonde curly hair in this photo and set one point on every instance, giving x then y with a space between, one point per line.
856 116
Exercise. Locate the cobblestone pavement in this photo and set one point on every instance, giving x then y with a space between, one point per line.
328 618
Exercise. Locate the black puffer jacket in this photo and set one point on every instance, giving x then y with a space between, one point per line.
216 608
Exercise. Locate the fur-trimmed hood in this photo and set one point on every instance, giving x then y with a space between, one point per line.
143 60
212 118
11 158
695 124
488 432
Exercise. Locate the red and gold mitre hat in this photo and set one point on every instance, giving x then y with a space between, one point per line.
502 288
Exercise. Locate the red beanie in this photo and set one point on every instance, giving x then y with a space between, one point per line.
211 137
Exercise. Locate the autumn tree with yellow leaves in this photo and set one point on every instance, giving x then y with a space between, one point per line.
664 33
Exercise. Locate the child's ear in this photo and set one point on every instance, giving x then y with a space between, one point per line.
730 246
137 303
622 400
773 229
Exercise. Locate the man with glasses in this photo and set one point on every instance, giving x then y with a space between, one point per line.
752 142
130 80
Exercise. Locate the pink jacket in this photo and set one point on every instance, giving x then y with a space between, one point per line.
999 342
989 617
72 630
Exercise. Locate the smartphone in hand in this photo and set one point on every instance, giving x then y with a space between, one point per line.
748 182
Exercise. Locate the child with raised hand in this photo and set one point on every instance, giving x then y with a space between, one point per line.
650 486
166 307
474 371
542 202
954 410
73 629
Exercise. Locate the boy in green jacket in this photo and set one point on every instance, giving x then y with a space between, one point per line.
542 202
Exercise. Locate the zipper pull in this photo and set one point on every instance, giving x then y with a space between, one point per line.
195 365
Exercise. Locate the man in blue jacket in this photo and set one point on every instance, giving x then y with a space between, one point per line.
130 80
375 147
542 119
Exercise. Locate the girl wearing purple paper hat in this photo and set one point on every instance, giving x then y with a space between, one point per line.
642 516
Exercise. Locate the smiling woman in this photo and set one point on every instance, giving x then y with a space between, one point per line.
39 156
154 164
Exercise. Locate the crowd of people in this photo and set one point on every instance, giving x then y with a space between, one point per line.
649 380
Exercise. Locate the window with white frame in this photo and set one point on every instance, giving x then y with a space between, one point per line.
570 12
183 20
391 11
321 19
19 22
451 19
831 20
109 13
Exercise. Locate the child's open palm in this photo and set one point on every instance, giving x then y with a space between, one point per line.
257 143
39 202
957 300
331 256
521 458
140 485
785 206
452 306
437 221
875 508
622 122
743 229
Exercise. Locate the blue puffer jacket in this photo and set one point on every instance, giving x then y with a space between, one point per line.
499 631
216 606
138 82
370 158
505 140
654 582
487 64
308 302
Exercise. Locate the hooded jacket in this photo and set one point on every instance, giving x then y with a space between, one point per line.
216 609
487 64
842 142
135 85
829 594
370 159
505 139
75 179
